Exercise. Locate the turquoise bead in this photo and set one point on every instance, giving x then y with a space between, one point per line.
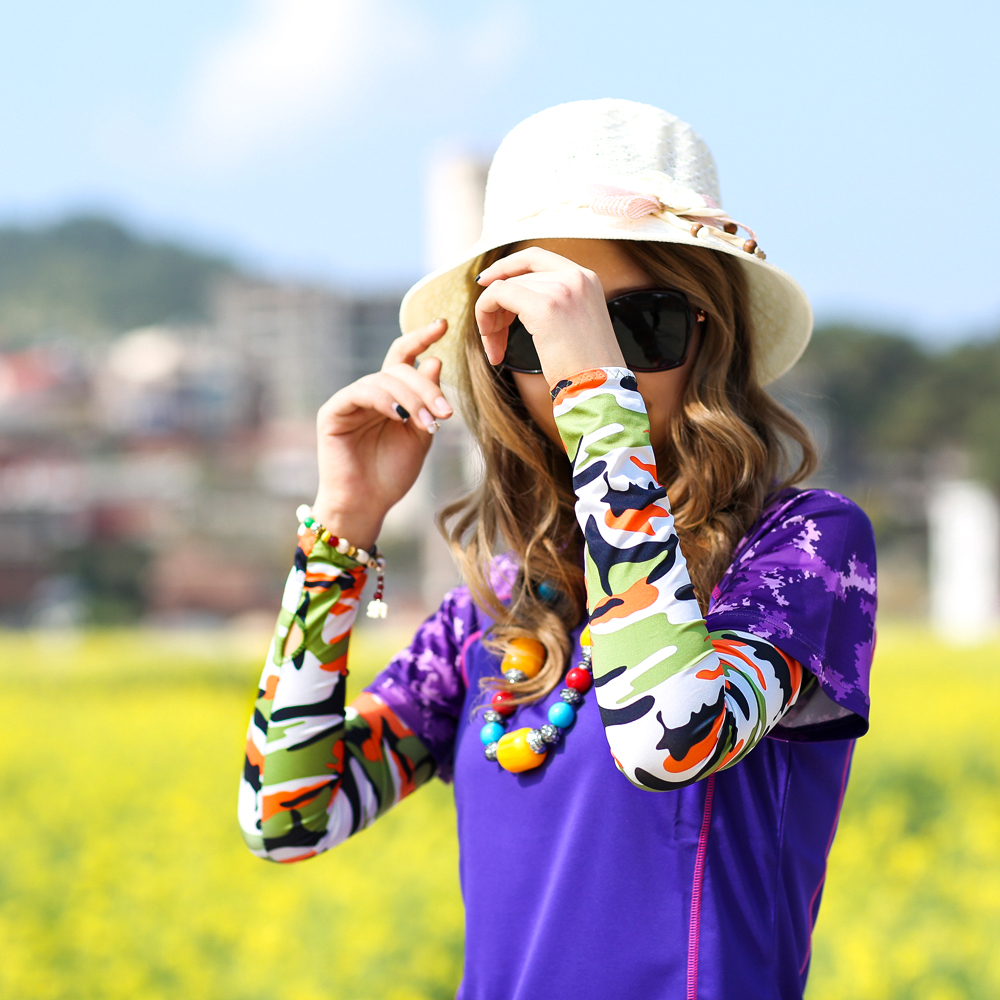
561 715
492 732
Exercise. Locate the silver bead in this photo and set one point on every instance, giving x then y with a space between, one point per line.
588 654
490 716
535 740
550 733
490 751
570 696
515 676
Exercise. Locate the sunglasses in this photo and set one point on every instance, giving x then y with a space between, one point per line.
653 328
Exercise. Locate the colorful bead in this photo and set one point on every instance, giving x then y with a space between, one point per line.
515 676
570 696
579 679
524 654
535 740
490 733
561 715
515 754
549 733
501 702
490 750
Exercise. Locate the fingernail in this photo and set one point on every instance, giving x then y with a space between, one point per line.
404 413
441 320
443 407
430 424
478 276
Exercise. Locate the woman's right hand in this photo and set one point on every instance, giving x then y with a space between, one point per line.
370 453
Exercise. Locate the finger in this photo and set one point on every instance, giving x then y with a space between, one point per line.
496 309
405 349
524 261
410 398
430 368
363 395
429 392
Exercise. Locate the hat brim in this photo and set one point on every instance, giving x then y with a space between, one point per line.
780 313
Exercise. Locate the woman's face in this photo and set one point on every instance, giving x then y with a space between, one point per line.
662 391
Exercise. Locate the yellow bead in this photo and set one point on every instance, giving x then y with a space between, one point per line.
585 639
524 654
514 754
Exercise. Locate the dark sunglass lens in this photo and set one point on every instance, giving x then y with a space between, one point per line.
652 328
521 355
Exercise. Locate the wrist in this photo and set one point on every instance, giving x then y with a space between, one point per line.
360 528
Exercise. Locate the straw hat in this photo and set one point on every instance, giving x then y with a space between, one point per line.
615 170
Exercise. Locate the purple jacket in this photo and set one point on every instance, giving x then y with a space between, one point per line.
578 884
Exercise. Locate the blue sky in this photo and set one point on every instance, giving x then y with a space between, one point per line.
860 140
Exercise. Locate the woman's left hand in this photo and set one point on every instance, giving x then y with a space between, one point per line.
560 303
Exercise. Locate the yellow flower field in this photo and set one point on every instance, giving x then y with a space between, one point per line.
122 874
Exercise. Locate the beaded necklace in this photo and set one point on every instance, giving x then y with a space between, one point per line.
524 749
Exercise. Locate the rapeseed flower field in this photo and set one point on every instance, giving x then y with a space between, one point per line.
122 873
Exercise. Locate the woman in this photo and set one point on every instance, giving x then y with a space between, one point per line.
622 329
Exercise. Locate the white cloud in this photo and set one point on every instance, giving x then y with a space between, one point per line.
287 65
290 67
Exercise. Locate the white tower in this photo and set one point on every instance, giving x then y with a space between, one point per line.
964 528
456 187
453 205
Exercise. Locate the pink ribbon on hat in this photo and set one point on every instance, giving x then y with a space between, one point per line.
624 204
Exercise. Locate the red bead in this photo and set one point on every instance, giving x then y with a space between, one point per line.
579 680
501 702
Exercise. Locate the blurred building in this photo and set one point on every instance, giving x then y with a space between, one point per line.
156 475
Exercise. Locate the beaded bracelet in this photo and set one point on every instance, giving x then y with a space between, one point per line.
377 608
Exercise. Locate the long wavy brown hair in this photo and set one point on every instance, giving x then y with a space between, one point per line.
730 447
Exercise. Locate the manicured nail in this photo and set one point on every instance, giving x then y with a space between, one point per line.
404 413
479 276
430 424
443 407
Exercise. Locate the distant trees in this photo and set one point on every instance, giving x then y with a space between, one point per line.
89 275
886 399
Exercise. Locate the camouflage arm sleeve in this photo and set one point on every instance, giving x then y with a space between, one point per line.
317 772
677 703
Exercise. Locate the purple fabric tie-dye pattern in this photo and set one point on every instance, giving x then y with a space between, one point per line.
804 579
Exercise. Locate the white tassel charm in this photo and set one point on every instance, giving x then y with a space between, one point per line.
377 608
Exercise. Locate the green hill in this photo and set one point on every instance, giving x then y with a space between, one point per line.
88 276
